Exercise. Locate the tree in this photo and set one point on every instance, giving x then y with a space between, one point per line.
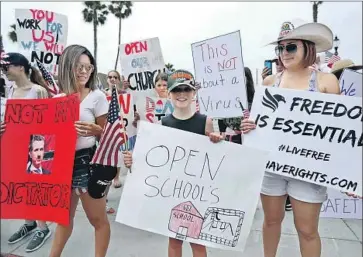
170 67
12 34
315 9
121 10
95 13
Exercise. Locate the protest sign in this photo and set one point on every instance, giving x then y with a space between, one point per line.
218 66
36 168
153 109
341 206
42 35
141 61
189 188
351 83
311 136
127 111
2 108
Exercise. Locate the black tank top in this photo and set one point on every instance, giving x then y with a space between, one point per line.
195 124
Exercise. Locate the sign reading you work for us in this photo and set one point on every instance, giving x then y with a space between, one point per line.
313 137
192 189
42 35
141 61
219 68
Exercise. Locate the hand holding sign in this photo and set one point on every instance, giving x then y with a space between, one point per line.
247 125
2 128
127 159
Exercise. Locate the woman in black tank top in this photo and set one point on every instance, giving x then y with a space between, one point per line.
181 88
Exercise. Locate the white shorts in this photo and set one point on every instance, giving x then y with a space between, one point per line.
277 185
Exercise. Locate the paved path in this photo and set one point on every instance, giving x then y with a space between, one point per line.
340 238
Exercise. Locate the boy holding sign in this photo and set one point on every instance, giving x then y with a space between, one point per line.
181 88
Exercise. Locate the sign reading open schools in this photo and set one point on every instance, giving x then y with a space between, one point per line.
36 168
219 68
42 35
189 188
313 137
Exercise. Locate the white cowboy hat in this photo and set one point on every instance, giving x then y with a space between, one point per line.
318 33
343 64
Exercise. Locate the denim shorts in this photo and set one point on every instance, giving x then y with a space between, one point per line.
81 169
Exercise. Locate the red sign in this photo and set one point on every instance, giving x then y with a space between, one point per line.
37 155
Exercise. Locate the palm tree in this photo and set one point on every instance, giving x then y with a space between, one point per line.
170 67
95 13
315 9
122 10
12 34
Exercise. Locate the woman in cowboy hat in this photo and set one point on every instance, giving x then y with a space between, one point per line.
296 48
340 65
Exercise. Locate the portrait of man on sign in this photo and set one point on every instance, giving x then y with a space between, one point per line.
36 156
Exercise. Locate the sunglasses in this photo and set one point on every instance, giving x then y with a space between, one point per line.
111 77
290 48
88 67
182 89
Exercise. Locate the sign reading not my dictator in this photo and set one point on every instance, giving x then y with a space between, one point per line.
313 137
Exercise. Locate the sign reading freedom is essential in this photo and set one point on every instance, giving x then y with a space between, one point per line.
218 66
351 83
191 189
141 61
42 35
36 168
313 137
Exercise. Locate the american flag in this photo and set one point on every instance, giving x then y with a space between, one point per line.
150 105
52 86
112 136
328 55
334 58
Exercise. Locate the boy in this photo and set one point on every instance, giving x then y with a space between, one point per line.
181 89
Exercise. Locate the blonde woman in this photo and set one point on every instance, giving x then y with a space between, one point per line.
78 74
29 85
296 48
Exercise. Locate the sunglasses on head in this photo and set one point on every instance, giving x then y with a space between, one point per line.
111 77
182 89
290 48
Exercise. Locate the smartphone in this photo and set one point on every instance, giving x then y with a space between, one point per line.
268 64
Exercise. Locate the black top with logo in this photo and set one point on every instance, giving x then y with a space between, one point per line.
195 124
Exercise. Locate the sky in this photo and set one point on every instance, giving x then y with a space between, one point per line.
179 24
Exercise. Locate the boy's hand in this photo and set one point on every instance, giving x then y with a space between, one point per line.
127 159
215 137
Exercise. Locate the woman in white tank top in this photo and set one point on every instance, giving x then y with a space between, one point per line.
29 84
296 48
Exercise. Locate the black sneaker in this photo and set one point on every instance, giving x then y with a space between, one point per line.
38 240
23 232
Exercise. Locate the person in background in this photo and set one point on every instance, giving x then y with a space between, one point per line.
29 84
78 74
296 48
339 66
279 68
181 88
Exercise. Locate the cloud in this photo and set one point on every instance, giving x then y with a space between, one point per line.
180 24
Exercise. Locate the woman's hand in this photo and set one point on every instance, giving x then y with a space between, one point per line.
2 127
215 137
265 72
247 125
87 129
127 159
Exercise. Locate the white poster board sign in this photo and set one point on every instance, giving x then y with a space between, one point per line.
351 83
42 35
188 188
141 61
341 206
218 66
311 136
2 108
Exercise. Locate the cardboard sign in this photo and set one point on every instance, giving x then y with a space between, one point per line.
37 166
311 136
341 206
141 61
153 109
218 66
42 35
351 83
127 111
187 187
